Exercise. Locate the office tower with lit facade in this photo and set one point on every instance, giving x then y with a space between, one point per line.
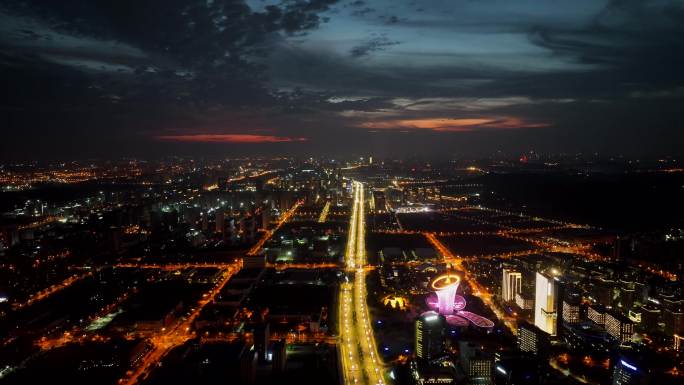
571 311
430 330
524 301
619 327
476 363
532 339
545 303
597 314
511 285
571 306
627 372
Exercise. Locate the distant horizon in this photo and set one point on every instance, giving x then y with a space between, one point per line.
417 157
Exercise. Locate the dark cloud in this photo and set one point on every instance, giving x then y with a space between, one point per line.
378 43
363 12
125 68
110 76
637 42
301 15
389 19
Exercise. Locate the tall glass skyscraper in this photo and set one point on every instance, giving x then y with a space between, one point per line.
430 329
545 311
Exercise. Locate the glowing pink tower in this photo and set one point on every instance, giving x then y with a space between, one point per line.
445 287
450 305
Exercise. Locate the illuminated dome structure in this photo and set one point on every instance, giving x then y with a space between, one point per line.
395 302
449 304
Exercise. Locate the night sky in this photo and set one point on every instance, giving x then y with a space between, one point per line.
89 78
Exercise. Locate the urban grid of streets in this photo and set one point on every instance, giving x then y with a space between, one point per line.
163 343
358 352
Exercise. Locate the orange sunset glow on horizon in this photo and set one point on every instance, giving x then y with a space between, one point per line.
229 138
454 125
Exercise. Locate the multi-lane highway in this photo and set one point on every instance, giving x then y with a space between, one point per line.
358 351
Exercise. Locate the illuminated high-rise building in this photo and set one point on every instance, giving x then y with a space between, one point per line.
524 301
476 363
597 314
430 329
571 312
619 327
511 285
545 302
571 304
531 339
627 372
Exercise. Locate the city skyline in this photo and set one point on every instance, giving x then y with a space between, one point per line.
358 271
